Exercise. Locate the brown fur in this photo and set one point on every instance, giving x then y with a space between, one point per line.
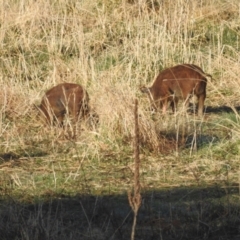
64 99
178 82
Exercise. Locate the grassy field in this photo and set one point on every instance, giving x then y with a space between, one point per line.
53 187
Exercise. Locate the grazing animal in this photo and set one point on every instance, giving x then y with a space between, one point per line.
65 99
178 82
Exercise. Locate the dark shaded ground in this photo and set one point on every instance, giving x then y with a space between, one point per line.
215 109
181 213
221 109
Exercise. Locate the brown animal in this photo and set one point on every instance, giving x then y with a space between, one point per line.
65 99
178 82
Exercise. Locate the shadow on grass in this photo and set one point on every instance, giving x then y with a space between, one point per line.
169 141
214 109
177 213
31 152
221 109
188 137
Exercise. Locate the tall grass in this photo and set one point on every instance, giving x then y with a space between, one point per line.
112 48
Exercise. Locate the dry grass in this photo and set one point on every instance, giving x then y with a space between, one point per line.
112 48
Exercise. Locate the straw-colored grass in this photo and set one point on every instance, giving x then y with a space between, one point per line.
112 48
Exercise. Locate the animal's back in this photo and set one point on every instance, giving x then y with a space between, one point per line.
64 98
180 80
64 90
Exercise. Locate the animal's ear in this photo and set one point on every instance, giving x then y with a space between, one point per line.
144 89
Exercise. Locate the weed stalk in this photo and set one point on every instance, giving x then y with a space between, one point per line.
135 200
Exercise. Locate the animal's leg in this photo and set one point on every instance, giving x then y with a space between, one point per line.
173 104
201 99
164 105
74 123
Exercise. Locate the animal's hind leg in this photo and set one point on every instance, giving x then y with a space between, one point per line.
201 99
164 104
74 120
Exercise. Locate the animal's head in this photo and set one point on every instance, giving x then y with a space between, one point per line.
85 109
148 91
144 89
44 113
92 119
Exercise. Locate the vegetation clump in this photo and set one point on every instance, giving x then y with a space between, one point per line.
52 187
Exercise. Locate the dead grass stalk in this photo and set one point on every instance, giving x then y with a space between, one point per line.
135 200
